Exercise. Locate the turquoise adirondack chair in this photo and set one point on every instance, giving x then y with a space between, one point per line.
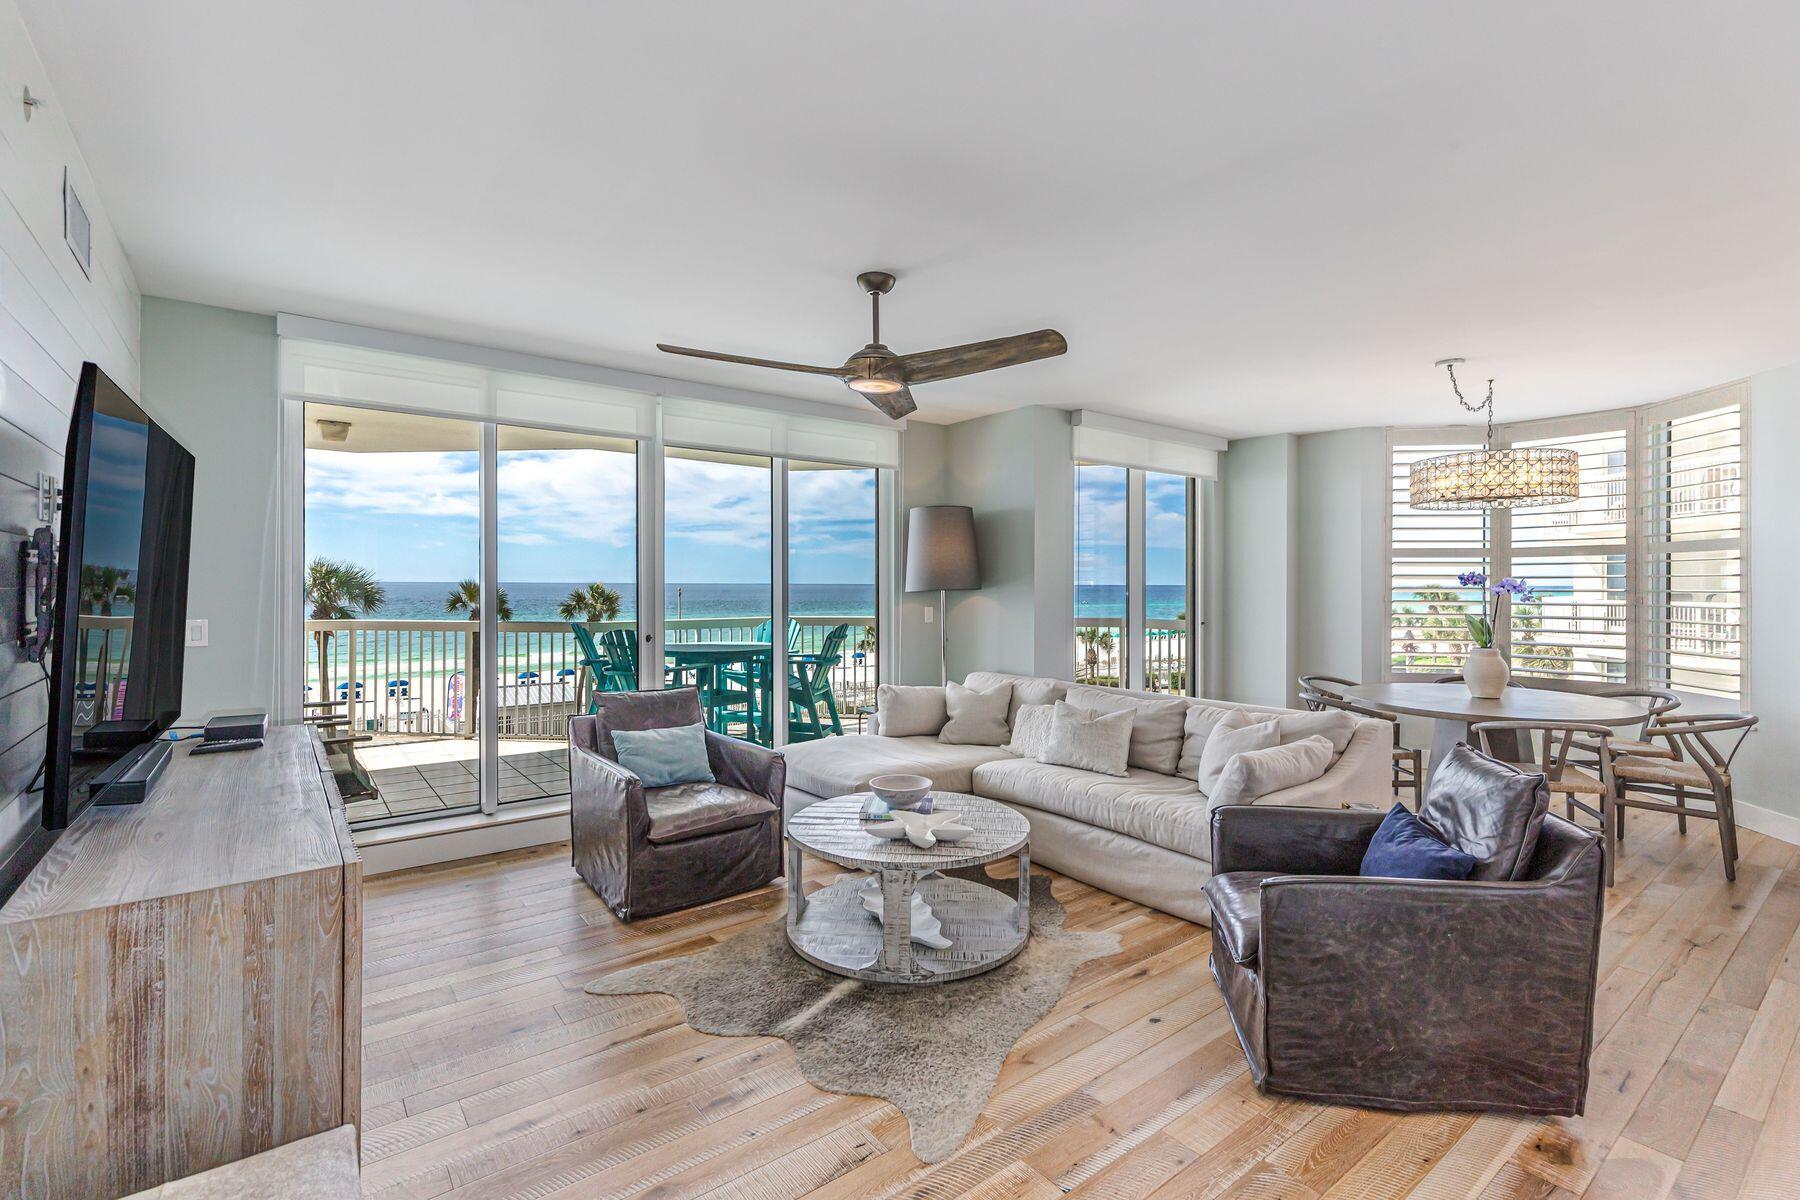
809 687
598 667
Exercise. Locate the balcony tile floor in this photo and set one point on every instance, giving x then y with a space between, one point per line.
438 775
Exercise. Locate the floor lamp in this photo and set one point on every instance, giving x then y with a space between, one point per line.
940 557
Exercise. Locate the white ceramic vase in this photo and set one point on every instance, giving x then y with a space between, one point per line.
1486 673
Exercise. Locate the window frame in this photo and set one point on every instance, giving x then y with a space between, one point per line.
1500 553
1133 657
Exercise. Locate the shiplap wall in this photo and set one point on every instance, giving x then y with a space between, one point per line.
52 319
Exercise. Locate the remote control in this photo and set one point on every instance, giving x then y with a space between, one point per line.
226 745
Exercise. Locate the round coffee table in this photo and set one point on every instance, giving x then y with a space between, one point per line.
833 930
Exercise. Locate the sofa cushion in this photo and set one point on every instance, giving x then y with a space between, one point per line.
1405 847
1235 733
1026 689
665 757
1196 730
905 711
1333 724
1488 809
1236 900
1157 726
837 766
1093 741
1253 774
1030 730
1159 809
691 810
977 718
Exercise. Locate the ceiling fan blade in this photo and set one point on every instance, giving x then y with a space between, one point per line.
893 405
928 366
837 372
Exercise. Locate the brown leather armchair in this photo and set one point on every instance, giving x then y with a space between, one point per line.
646 851
1398 993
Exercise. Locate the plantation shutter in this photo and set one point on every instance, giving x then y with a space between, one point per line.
1692 522
1575 557
1428 550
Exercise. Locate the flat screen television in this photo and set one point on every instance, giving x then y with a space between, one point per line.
117 645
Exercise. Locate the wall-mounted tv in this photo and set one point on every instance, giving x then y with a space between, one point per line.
120 606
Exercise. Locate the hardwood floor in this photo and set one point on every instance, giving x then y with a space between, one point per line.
490 1073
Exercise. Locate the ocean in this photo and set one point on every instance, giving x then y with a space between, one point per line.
411 600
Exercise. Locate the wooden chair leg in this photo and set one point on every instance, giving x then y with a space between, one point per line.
1608 822
1681 818
1728 831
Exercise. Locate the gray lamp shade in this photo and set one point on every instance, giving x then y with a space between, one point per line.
940 549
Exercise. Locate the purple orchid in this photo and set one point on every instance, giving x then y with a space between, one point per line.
1481 626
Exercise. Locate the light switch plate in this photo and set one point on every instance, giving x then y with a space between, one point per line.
196 632
930 614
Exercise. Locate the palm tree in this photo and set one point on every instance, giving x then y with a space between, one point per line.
465 600
1094 639
595 602
338 591
101 589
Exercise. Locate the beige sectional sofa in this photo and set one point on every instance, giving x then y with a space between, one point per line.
1144 835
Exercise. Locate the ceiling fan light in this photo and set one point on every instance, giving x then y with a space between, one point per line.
875 386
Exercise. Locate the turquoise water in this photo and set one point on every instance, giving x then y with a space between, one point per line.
424 601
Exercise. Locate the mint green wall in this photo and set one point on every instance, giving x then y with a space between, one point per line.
209 375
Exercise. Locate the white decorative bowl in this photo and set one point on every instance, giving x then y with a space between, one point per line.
901 791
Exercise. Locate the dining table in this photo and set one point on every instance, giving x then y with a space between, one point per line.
1451 709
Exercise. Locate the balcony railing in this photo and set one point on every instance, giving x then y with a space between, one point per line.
410 678
1100 653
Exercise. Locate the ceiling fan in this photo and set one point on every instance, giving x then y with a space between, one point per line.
884 378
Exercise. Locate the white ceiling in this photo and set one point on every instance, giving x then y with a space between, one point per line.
1245 218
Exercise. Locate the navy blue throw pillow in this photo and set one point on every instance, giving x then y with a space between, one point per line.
1405 847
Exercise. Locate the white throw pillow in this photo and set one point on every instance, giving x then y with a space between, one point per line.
1202 719
1030 730
976 718
1089 740
910 711
1334 724
1253 774
1156 725
1235 732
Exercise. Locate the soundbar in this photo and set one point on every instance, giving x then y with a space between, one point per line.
131 779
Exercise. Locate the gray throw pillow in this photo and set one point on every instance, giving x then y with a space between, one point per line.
910 711
976 718
1030 730
1235 732
1089 740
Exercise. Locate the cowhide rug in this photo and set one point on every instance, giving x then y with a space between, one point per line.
933 1051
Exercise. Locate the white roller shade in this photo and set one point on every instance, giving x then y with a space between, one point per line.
1118 442
329 372
708 425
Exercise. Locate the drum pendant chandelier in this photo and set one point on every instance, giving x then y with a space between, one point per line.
1512 477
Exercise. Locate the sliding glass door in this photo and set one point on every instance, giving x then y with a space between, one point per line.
392 513
473 584
1169 544
567 523
833 530
718 589
1101 592
1136 575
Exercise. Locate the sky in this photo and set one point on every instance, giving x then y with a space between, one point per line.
569 516
1100 527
